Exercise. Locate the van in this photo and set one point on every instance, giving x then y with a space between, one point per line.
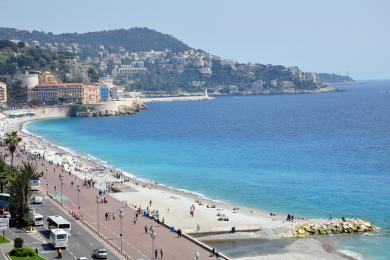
59 238
38 220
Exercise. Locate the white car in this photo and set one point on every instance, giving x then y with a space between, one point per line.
36 200
6 214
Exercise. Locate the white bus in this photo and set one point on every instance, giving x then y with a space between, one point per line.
58 222
59 238
38 220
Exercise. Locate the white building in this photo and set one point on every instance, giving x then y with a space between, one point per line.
3 92
129 70
28 80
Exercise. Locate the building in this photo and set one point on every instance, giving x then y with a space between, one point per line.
130 70
47 77
3 92
53 93
104 93
117 92
91 94
259 84
233 90
28 80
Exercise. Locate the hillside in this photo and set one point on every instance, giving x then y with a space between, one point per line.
134 39
333 78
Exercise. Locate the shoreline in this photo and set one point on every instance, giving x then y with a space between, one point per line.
147 189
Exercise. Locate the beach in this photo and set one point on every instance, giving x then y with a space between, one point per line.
210 220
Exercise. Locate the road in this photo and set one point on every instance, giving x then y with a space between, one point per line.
81 242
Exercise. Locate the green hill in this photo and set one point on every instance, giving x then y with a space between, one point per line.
134 39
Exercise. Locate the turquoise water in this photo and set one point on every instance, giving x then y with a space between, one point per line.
312 155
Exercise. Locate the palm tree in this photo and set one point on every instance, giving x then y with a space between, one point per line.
4 174
20 188
12 140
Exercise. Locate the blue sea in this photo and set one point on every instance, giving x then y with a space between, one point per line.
313 155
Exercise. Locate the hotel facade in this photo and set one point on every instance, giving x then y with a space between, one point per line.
52 93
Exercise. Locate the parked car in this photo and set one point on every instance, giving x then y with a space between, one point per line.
36 200
100 253
82 258
6 214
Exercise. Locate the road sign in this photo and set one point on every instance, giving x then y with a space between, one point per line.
4 223
35 182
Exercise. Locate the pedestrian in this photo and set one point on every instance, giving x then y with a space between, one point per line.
155 253
113 215
55 188
146 229
212 252
36 251
161 253
106 215
135 220
197 227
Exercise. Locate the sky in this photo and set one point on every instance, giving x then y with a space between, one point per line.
335 36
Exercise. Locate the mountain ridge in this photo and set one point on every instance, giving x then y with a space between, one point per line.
133 39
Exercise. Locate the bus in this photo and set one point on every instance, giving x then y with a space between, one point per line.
5 200
59 238
58 222
38 220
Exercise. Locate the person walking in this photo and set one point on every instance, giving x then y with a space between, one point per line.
113 215
146 229
161 253
155 253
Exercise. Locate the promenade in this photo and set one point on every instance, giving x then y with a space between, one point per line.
136 244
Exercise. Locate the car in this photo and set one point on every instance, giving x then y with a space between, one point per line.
82 258
6 214
36 200
100 253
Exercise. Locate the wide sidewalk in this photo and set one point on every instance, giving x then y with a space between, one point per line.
136 243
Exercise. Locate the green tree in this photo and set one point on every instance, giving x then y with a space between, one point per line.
20 189
12 139
93 75
4 174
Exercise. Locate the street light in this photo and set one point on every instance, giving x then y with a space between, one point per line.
47 185
121 217
78 198
153 236
61 176
97 212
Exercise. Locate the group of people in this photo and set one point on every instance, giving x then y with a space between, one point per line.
109 215
290 218
156 251
214 252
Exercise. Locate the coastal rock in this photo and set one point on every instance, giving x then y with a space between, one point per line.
337 226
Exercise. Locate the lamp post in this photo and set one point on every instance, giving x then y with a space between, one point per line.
47 180
97 212
61 176
153 237
78 197
47 186
121 217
